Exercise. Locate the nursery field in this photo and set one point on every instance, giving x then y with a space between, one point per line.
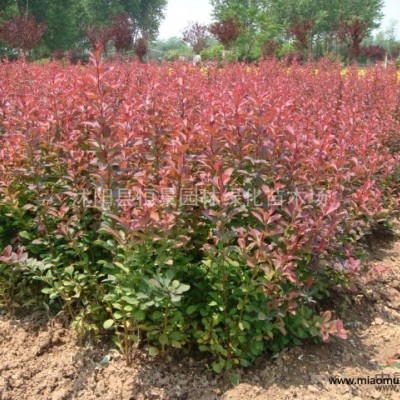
173 211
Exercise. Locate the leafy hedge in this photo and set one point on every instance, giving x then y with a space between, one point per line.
180 207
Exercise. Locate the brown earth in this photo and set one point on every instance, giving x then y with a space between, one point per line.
43 362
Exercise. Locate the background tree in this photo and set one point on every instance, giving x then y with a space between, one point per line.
226 31
259 20
8 9
64 23
141 48
63 19
170 49
22 32
301 31
196 35
352 32
373 52
270 48
121 32
145 15
327 15
264 20
388 40
67 21
170 44
100 12
99 36
257 23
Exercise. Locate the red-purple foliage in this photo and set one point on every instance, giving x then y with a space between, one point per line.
73 57
121 32
352 32
99 36
251 185
270 48
141 48
226 31
196 36
58 54
293 57
22 32
373 53
301 32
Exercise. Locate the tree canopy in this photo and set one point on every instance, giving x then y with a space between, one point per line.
246 28
67 21
264 20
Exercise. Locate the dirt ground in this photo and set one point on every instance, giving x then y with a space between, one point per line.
39 362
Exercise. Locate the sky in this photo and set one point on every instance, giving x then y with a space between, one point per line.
180 13
392 13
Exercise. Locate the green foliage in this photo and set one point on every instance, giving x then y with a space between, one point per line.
387 39
185 53
171 44
64 24
263 20
146 15
144 292
67 20
256 22
215 52
286 49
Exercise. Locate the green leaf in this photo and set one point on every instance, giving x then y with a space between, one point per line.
262 316
139 315
108 324
234 378
118 315
176 336
121 266
25 235
246 325
153 351
69 270
163 339
218 367
130 300
117 342
175 298
191 309
169 275
157 315
175 284
182 288
153 283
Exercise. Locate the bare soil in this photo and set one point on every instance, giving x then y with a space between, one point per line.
44 362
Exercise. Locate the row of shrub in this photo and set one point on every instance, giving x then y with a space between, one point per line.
185 208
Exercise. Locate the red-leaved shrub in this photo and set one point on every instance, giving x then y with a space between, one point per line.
180 207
